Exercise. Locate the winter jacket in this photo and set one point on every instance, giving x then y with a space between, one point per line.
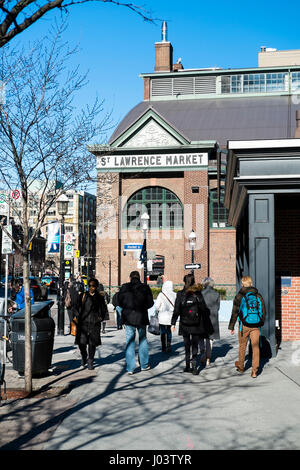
75 300
212 299
204 329
237 303
165 303
91 314
106 299
20 298
135 299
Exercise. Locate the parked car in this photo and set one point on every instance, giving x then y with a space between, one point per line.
51 282
40 292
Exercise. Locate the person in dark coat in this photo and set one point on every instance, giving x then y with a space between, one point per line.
118 310
72 306
135 299
212 300
91 313
106 300
191 333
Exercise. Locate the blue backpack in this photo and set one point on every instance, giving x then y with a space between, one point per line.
250 312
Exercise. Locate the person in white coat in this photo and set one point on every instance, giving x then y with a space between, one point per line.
164 305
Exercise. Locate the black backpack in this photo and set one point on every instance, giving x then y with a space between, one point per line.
190 310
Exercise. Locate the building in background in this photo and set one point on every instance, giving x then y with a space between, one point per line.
80 225
168 157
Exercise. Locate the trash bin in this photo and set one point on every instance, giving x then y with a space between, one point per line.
42 337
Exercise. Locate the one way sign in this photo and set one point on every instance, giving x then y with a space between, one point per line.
192 266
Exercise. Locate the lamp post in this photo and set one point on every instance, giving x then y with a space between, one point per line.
145 227
192 242
62 207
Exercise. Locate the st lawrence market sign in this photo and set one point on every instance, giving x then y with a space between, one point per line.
157 161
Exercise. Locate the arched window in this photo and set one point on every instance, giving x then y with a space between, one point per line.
162 205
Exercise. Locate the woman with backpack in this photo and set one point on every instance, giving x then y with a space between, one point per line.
164 305
249 307
194 319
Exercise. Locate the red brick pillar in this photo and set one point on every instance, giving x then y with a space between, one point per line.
196 218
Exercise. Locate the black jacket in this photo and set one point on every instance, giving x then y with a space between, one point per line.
237 303
91 314
135 299
204 329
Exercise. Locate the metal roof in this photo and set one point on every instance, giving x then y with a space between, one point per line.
271 117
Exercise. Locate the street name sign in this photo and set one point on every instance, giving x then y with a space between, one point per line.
192 266
133 246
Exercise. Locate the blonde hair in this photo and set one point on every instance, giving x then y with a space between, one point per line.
246 281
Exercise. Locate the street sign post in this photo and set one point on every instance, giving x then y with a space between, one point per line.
6 241
3 204
192 266
69 251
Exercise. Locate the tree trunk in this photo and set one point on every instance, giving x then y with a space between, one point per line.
28 344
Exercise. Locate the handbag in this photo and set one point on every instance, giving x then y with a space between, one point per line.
153 328
73 330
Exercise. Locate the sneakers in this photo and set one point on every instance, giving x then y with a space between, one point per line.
187 369
146 368
130 373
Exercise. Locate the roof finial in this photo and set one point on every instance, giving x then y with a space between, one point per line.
164 32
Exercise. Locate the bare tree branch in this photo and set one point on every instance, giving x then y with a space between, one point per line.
17 16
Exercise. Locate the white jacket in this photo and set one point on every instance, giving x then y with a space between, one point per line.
162 304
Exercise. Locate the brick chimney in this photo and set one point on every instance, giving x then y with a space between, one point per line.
297 131
163 53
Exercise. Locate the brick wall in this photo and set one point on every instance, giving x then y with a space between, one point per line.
287 252
222 256
220 264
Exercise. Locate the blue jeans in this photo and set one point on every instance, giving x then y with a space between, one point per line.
130 347
119 312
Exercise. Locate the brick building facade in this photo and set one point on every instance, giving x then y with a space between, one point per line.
173 147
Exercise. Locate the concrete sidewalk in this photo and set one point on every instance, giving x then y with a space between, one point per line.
159 409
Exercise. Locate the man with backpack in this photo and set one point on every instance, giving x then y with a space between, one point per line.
135 299
194 319
249 309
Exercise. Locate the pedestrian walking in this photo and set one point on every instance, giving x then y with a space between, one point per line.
118 310
135 299
72 300
164 306
194 320
106 300
212 301
91 313
249 308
